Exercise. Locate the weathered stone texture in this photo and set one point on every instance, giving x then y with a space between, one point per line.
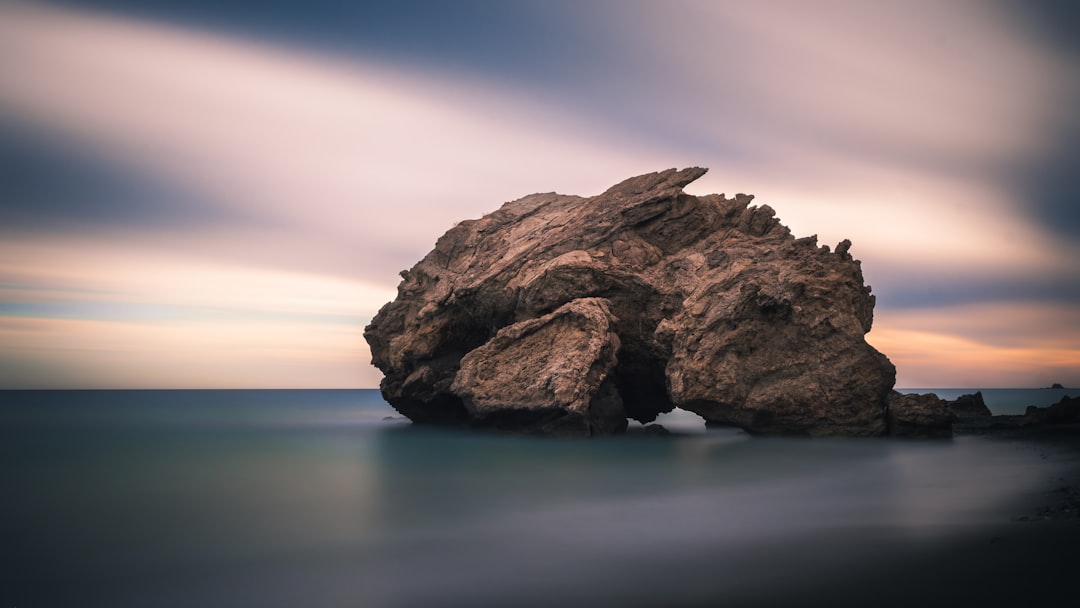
562 314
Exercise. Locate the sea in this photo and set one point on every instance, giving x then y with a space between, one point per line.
328 498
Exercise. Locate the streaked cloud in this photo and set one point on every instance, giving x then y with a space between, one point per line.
116 274
195 352
103 317
323 146
311 177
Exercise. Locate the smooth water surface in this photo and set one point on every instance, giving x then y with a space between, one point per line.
327 498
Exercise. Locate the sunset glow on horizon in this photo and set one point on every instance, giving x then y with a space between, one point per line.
223 199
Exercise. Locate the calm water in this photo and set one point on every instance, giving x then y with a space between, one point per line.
315 498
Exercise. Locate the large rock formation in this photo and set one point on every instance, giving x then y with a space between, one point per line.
568 315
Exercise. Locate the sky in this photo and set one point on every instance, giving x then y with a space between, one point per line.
198 194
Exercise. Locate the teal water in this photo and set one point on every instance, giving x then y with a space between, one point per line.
326 498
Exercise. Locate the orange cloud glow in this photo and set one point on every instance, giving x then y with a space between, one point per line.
181 353
109 317
982 345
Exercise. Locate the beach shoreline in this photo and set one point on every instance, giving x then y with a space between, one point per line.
1029 557
1026 554
1057 498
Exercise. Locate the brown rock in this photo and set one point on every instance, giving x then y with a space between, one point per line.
919 416
666 299
549 375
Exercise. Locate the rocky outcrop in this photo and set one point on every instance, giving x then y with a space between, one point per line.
568 315
919 416
1065 411
966 406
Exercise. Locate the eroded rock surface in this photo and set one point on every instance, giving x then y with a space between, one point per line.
567 315
549 375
